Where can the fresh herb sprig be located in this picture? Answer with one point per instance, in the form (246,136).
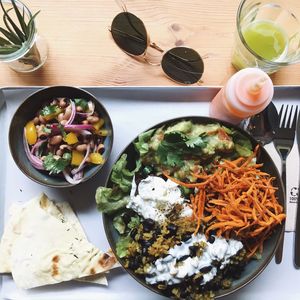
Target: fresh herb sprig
(176,145)
(14,34)
(55,165)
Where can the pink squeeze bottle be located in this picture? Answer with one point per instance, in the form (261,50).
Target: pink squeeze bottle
(246,93)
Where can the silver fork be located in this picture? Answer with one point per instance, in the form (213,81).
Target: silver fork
(283,142)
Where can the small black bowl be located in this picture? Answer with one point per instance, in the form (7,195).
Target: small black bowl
(26,112)
(254,267)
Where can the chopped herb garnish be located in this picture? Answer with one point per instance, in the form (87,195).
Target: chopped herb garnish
(49,110)
(42,149)
(82,103)
(55,165)
(62,130)
(176,145)
(47,130)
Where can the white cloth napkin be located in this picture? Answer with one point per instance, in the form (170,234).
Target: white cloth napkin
(292,171)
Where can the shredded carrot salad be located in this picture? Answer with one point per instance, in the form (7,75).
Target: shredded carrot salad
(236,201)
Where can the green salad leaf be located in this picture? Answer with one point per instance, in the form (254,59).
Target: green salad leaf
(134,222)
(119,224)
(142,145)
(122,246)
(110,200)
(56,165)
(121,175)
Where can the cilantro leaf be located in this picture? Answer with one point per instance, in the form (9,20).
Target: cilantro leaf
(195,142)
(67,156)
(82,103)
(56,165)
(47,129)
(176,145)
(134,222)
(169,155)
(49,110)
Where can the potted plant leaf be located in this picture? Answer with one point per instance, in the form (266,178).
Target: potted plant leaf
(20,45)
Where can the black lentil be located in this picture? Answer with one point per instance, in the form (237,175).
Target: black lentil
(148,225)
(211,239)
(182,258)
(133,233)
(193,250)
(172,229)
(206,269)
(186,237)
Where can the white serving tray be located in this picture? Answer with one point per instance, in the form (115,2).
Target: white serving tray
(132,110)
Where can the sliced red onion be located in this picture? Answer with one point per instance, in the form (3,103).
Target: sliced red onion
(78,176)
(79,127)
(75,180)
(81,166)
(90,112)
(73,113)
(35,161)
(37,146)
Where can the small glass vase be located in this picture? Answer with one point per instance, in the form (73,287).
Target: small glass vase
(33,53)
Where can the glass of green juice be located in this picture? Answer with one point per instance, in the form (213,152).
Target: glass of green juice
(267,35)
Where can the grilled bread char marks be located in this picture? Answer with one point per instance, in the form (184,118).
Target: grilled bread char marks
(47,259)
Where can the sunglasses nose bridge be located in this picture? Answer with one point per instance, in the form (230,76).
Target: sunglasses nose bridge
(151,63)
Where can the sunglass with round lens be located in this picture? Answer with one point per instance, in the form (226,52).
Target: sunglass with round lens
(182,64)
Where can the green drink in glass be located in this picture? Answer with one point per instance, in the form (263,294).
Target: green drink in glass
(267,40)
(268,36)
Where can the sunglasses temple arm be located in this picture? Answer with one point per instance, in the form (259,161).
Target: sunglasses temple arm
(122,5)
(154,46)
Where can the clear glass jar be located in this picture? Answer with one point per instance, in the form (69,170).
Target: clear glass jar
(33,52)
(273,35)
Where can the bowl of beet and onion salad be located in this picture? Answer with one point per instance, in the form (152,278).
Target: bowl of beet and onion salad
(60,136)
(193,208)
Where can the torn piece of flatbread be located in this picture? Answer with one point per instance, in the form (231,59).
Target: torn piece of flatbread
(11,231)
(45,244)
(96,279)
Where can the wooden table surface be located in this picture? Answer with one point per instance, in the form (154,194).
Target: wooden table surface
(82,52)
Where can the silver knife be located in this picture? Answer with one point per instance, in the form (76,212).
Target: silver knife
(297,232)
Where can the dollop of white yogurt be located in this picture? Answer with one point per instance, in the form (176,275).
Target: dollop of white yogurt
(155,197)
(168,269)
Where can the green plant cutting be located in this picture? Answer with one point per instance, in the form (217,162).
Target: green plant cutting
(16,31)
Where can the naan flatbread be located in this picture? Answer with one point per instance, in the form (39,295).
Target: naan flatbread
(44,243)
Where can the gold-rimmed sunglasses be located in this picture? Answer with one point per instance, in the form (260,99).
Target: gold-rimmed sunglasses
(181,64)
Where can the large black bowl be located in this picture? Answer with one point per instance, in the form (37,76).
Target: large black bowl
(255,267)
(26,112)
